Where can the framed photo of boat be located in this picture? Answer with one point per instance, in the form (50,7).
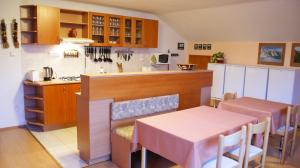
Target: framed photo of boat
(295,59)
(271,53)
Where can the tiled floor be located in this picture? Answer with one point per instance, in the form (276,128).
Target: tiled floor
(62,146)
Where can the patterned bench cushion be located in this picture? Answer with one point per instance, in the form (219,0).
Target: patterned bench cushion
(140,107)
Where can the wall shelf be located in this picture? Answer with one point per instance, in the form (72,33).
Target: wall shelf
(34,110)
(33,97)
(72,23)
(36,122)
(71,19)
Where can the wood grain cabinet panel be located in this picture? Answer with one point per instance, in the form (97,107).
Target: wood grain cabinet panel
(54,101)
(70,106)
(51,106)
(150,33)
(48,23)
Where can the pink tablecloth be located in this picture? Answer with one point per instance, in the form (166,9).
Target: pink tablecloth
(188,137)
(258,108)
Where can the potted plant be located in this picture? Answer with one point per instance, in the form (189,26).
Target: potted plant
(217,57)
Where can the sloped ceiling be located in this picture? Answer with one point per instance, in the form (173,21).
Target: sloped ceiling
(164,6)
(223,20)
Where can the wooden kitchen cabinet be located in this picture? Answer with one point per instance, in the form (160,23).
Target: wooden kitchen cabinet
(50,106)
(138,35)
(122,31)
(128,39)
(39,24)
(115,31)
(46,25)
(97,29)
(76,20)
(150,33)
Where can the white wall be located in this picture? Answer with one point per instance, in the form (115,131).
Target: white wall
(16,62)
(11,98)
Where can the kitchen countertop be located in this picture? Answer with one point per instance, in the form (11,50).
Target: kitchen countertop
(141,73)
(61,82)
(52,82)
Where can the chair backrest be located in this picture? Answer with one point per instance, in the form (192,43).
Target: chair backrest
(295,111)
(237,138)
(229,96)
(260,128)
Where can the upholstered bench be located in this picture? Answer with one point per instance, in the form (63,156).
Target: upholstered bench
(123,115)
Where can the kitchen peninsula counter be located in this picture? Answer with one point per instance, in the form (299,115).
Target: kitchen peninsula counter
(98,91)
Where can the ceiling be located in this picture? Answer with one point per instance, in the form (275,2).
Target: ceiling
(164,6)
(221,20)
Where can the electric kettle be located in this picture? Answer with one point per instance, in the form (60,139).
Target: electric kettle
(48,73)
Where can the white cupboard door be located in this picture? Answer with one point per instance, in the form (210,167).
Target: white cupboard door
(256,80)
(281,84)
(218,79)
(234,79)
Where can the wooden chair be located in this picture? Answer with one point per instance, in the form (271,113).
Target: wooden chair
(229,96)
(237,138)
(252,152)
(288,132)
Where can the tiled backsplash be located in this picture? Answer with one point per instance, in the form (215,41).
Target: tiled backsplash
(36,57)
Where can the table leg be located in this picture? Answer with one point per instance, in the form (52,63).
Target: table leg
(144,158)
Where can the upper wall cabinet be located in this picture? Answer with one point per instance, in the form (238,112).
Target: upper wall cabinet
(39,24)
(97,28)
(47,25)
(128,40)
(115,31)
(150,33)
(73,23)
(122,31)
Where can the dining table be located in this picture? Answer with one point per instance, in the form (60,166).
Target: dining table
(187,137)
(258,108)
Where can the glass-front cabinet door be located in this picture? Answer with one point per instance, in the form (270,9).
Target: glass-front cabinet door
(97,28)
(139,28)
(128,32)
(114,30)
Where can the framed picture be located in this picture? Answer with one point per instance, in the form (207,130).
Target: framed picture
(271,53)
(180,46)
(200,46)
(295,59)
(208,46)
(196,46)
(204,46)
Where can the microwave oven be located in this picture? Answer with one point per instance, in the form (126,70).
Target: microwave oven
(162,58)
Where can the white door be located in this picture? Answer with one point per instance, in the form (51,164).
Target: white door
(234,79)
(218,79)
(280,86)
(256,80)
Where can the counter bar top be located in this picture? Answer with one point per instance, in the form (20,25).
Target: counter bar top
(141,73)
